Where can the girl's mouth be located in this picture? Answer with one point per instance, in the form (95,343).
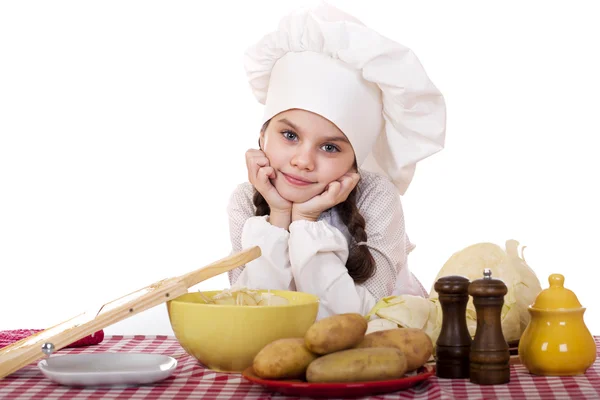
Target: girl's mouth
(296,181)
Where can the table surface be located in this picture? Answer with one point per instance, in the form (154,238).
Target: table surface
(193,381)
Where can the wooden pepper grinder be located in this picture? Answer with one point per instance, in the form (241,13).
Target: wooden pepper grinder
(453,345)
(490,356)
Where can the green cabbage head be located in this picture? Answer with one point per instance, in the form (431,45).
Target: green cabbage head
(505,264)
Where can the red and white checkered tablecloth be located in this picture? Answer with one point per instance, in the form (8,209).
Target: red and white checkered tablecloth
(192,381)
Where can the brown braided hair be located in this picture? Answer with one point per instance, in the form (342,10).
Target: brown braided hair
(360,263)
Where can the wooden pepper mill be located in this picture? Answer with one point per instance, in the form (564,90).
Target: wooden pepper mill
(490,356)
(453,345)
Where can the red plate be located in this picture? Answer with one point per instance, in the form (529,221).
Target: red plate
(343,389)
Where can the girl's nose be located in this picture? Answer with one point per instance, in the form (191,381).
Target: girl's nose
(303,159)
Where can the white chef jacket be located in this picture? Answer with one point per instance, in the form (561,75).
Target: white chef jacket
(311,256)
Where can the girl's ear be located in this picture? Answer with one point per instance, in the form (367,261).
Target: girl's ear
(261,140)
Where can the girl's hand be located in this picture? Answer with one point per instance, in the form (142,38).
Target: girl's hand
(335,193)
(260,174)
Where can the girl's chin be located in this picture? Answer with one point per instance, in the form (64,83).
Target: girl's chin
(295,195)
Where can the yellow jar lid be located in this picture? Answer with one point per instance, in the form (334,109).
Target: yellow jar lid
(556,297)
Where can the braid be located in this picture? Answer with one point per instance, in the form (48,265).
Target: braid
(360,264)
(262,207)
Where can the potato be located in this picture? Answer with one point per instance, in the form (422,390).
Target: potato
(283,358)
(358,365)
(414,343)
(335,333)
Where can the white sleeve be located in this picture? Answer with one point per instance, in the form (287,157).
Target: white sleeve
(318,254)
(272,269)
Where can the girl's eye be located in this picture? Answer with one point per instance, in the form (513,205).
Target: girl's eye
(329,148)
(292,137)
(289,135)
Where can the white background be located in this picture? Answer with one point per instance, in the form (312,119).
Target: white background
(123,127)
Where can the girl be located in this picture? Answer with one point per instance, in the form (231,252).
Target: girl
(348,113)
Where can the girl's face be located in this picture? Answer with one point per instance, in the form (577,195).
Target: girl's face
(307,152)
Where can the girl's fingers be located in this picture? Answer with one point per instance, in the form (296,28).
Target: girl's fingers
(348,182)
(261,161)
(333,189)
(271,172)
(264,174)
(254,162)
(256,157)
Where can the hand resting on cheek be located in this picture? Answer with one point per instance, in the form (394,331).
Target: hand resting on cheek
(335,193)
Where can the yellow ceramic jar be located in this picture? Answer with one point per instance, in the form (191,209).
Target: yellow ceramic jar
(556,340)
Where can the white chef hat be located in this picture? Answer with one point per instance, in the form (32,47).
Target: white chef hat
(374,90)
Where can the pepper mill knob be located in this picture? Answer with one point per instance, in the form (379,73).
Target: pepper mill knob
(453,345)
(490,355)
(487,273)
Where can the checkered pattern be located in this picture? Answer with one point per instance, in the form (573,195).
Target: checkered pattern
(192,381)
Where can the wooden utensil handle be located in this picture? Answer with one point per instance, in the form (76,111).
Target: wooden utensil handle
(224,265)
(28,350)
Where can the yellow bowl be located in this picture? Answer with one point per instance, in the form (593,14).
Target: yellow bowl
(226,338)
